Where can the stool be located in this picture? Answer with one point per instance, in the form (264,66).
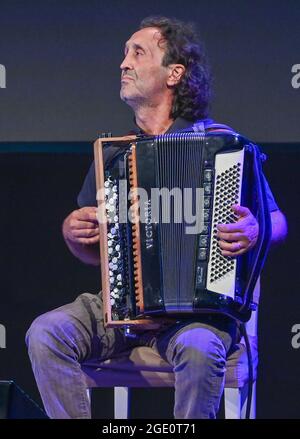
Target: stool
(144,367)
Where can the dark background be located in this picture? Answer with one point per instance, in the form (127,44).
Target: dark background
(62,61)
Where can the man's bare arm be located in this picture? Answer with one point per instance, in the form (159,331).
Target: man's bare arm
(279,227)
(81,234)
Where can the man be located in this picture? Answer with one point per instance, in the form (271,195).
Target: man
(165,81)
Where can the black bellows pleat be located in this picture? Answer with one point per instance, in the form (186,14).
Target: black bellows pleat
(179,168)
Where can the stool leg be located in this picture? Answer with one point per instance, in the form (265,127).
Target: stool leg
(89,394)
(121,399)
(235,401)
(232,403)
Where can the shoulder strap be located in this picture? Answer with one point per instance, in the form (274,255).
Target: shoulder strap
(199,127)
(208,125)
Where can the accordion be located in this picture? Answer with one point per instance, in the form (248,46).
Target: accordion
(160,200)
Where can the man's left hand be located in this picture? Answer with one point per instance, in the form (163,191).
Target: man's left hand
(237,238)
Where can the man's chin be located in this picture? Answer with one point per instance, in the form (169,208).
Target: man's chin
(126,97)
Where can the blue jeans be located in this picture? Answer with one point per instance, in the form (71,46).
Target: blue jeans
(61,340)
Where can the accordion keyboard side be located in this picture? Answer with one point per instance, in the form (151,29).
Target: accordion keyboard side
(221,273)
(115,239)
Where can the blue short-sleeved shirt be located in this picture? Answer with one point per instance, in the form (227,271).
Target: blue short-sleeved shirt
(87,195)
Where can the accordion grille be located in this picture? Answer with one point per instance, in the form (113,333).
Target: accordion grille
(226,194)
(227,191)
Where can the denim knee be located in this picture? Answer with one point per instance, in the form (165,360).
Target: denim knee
(198,349)
(44,328)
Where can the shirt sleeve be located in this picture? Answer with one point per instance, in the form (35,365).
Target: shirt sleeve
(87,195)
(270,197)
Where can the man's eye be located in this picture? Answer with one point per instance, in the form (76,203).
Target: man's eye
(139,52)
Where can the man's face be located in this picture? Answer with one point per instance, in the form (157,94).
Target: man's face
(143,79)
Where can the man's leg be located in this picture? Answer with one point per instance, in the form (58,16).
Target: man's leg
(58,342)
(198,353)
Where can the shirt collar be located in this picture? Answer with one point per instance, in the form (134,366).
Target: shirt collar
(179,124)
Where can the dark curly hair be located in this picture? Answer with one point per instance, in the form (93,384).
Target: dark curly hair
(192,94)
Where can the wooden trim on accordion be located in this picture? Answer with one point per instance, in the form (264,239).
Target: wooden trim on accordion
(136,238)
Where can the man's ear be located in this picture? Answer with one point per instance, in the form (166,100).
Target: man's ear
(176,72)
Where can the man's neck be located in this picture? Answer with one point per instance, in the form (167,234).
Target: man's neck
(153,120)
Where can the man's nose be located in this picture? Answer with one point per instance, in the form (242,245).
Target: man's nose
(126,63)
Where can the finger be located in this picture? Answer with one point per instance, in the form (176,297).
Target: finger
(241,211)
(86,233)
(232,246)
(88,241)
(230,237)
(230,254)
(76,225)
(87,214)
(233,227)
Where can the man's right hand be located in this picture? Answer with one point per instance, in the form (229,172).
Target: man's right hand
(81,226)
(81,233)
